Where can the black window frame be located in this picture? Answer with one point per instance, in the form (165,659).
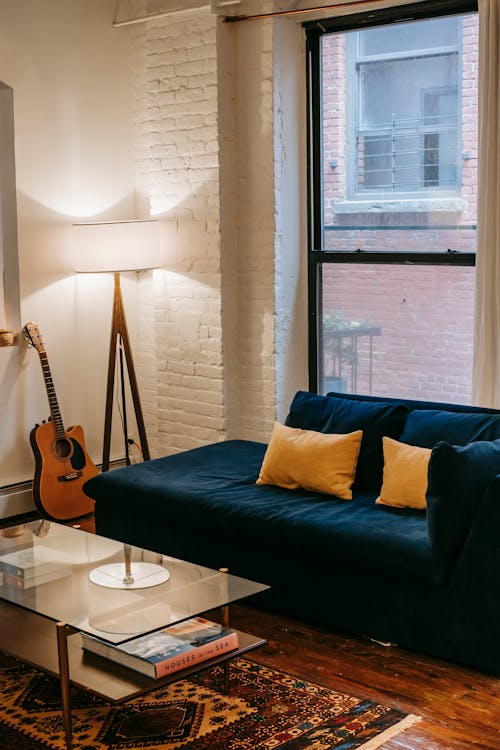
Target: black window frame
(317,256)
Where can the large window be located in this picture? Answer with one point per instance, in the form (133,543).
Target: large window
(393,175)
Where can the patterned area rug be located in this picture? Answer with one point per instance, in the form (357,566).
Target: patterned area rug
(266,710)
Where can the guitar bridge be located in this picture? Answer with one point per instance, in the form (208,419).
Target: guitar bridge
(70,477)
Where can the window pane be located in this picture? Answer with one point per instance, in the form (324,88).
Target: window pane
(399,133)
(401,118)
(398,330)
(418,35)
(394,91)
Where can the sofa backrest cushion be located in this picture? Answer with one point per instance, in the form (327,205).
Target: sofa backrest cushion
(426,428)
(377,419)
(457,480)
(412,404)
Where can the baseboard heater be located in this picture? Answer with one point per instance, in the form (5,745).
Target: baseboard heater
(17,499)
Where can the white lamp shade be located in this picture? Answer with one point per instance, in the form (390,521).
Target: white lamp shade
(116,246)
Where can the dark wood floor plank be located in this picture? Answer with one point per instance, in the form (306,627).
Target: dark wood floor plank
(459,707)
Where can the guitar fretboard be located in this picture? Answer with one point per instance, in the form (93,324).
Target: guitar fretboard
(51,393)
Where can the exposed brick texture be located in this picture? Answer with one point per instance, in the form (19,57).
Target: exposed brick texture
(425,317)
(177,153)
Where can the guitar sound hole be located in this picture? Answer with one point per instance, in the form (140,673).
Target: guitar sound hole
(62,448)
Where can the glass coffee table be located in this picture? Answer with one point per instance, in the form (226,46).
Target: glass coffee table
(57,582)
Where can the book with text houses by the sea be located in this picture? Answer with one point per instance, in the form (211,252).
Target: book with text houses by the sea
(166,651)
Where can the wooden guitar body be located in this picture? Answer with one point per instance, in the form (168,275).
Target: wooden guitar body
(62,466)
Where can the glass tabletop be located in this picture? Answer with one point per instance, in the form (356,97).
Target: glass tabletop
(69,575)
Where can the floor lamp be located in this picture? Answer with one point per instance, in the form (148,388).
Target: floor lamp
(115,247)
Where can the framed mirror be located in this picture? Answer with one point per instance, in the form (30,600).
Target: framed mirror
(10,317)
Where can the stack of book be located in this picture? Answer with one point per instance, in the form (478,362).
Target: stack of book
(32,566)
(166,651)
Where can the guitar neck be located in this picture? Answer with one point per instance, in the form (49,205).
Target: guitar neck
(55,412)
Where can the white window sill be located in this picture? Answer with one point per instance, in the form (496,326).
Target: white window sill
(401,205)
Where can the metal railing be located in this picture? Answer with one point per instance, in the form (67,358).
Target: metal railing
(408,155)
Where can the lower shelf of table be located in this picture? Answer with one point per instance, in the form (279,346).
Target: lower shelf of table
(32,639)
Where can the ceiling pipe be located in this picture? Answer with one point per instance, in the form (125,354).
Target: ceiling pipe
(298,11)
(354,3)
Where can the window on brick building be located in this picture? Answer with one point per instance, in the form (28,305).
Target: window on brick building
(392,201)
(404,106)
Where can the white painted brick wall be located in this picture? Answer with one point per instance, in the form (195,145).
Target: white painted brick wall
(177,152)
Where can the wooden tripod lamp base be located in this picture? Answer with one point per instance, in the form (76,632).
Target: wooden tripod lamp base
(120,342)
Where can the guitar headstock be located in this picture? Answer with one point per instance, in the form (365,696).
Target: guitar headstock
(33,336)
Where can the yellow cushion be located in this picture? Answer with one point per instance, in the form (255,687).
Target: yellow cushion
(404,481)
(312,460)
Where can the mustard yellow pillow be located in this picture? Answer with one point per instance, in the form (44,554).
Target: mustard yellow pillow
(312,460)
(404,481)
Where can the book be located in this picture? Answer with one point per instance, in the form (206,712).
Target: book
(33,561)
(19,582)
(166,651)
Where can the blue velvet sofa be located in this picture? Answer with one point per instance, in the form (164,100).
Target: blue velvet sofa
(428,580)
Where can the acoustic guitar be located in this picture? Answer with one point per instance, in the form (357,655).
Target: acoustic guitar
(62,464)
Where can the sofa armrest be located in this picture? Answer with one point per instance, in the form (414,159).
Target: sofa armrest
(477,571)
(474,601)
(475,586)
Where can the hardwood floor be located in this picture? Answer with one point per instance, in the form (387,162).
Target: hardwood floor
(460,708)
